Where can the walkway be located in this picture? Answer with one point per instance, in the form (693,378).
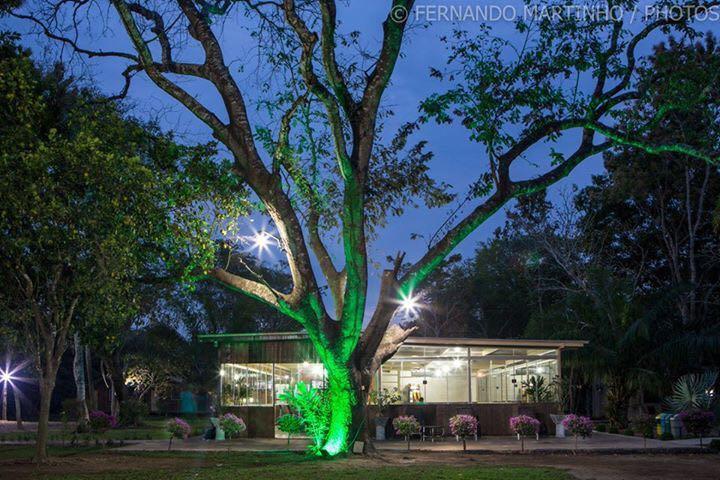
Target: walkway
(599,442)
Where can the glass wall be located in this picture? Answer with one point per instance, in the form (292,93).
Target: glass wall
(433,374)
(422,374)
(260,384)
(247,384)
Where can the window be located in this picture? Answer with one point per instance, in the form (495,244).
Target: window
(289,374)
(247,384)
(427,379)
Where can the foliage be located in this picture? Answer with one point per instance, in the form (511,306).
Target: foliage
(524,425)
(645,424)
(384,398)
(98,204)
(290,424)
(536,391)
(629,432)
(578,426)
(463,426)
(329,173)
(698,422)
(101,421)
(602,428)
(232,425)
(133,412)
(178,428)
(312,406)
(693,391)
(406,425)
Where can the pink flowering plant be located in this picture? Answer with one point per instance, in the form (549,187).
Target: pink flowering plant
(463,426)
(406,425)
(178,428)
(698,422)
(101,421)
(523,426)
(578,426)
(232,425)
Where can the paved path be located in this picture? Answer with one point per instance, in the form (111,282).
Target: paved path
(600,442)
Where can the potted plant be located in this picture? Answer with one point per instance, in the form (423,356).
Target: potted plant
(524,425)
(232,425)
(383,399)
(406,425)
(463,426)
(290,424)
(178,428)
(578,426)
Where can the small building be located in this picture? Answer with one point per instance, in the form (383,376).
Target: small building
(436,377)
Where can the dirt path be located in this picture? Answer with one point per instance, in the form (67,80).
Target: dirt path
(591,467)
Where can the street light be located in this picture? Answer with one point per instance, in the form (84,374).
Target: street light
(409,304)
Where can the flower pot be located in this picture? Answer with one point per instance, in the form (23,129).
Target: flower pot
(380,424)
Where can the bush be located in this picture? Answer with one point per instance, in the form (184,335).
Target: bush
(406,425)
(629,432)
(645,424)
(290,424)
(524,425)
(601,428)
(463,426)
(178,428)
(578,426)
(613,429)
(312,405)
(70,409)
(714,445)
(101,421)
(698,422)
(133,413)
(232,425)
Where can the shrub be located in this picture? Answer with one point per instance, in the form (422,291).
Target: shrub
(132,413)
(601,428)
(463,426)
(629,432)
(313,407)
(232,425)
(698,422)
(714,445)
(613,429)
(524,425)
(101,421)
(406,425)
(646,426)
(290,424)
(578,426)
(178,428)
(70,409)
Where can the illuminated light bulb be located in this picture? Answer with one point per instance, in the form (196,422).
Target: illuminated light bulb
(409,304)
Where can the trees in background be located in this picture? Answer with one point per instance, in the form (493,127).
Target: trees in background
(322,170)
(94,202)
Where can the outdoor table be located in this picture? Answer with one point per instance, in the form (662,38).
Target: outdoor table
(432,431)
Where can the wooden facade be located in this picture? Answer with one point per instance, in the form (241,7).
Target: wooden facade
(293,348)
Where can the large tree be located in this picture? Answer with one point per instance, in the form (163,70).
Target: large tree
(326,170)
(94,202)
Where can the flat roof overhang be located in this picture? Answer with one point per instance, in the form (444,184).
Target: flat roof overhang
(429,341)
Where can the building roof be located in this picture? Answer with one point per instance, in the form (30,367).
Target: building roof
(462,342)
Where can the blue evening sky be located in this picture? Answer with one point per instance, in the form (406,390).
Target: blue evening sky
(457,161)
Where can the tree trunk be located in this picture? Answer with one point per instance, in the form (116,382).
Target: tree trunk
(47,385)
(342,402)
(79,373)
(18,409)
(90,382)
(4,401)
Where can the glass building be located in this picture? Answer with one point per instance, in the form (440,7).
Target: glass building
(255,369)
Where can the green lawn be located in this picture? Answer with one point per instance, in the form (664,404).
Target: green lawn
(269,466)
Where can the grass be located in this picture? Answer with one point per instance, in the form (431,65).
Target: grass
(265,466)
